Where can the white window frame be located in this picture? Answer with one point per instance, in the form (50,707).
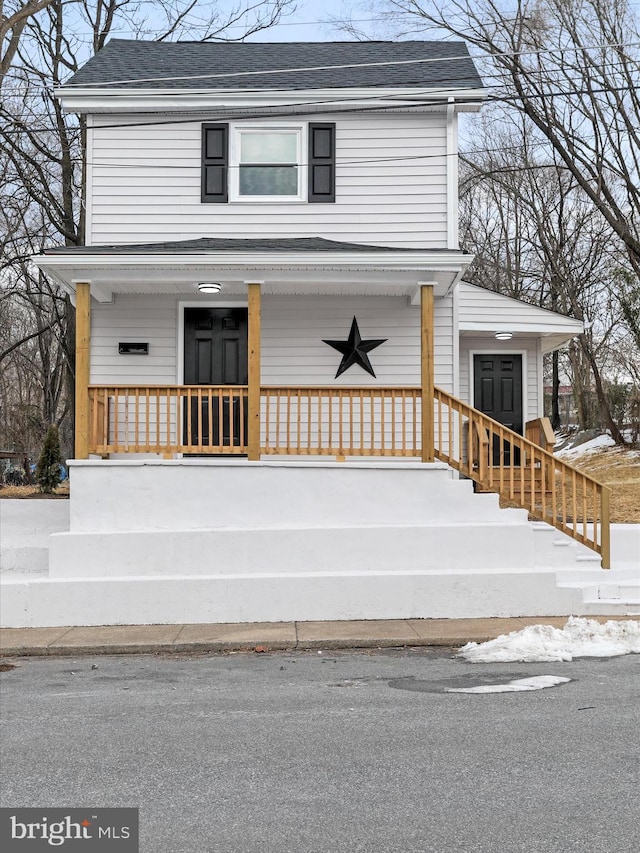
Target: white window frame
(235,134)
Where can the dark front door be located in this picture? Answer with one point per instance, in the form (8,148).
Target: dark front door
(498,393)
(215,353)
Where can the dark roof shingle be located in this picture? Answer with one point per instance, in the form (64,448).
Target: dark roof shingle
(230,244)
(284,65)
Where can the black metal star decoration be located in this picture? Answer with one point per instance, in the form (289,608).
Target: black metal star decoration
(354,350)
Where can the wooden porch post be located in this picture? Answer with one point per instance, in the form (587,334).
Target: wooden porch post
(427,370)
(253,394)
(83,341)
(605,528)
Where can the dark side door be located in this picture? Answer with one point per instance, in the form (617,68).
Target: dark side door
(215,353)
(498,393)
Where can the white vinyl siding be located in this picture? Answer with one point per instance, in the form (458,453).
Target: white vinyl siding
(141,319)
(293,330)
(391,185)
(532,366)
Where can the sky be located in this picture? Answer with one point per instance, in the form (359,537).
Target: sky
(311,22)
(303,24)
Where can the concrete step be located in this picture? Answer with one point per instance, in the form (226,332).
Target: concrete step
(582,574)
(24,560)
(457,547)
(326,596)
(557,550)
(604,588)
(604,607)
(625,593)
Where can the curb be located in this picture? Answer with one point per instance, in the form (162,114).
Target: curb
(222,647)
(264,637)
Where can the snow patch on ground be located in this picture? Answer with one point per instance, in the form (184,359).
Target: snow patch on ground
(518,685)
(600,442)
(578,639)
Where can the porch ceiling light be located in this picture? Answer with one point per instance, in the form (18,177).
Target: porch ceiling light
(209,286)
(504,336)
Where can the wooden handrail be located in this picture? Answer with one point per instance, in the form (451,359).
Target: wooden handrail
(524,473)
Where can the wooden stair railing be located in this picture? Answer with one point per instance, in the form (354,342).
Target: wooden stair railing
(523,472)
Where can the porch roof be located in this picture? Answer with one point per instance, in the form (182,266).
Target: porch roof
(232,244)
(484,312)
(303,265)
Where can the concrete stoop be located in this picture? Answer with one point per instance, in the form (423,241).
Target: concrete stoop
(398,542)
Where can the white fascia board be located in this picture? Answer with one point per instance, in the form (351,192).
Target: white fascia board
(534,328)
(107,100)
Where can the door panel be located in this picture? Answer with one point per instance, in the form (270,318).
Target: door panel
(202,362)
(230,362)
(498,393)
(215,353)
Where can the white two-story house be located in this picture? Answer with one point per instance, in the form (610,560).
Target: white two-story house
(281,373)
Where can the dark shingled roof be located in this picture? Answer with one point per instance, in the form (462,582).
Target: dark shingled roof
(139,65)
(231,244)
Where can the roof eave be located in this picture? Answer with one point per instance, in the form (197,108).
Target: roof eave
(556,325)
(93,99)
(104,270)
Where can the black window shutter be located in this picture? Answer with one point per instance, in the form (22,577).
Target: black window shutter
(215,162)
(322,163)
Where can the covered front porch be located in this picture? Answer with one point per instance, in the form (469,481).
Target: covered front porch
(285,282)
(245,412)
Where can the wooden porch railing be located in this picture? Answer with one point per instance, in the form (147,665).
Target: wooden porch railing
(170,419)
(167,419)
(348,421)
(522,472)
(341,422)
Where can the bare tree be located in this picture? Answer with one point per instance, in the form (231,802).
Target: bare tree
(14,17)
(41,159)
(536,236)
(572,67)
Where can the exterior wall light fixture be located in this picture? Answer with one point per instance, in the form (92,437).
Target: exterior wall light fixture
(503,336)
(209,286)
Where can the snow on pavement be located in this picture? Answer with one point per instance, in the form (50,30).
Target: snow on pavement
(518,685)
(579,638)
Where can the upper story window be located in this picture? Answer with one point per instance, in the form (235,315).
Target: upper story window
(268,163)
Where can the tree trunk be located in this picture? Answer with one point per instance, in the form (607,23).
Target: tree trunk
(555,392)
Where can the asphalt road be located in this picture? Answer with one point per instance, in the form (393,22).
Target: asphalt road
(323,753)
